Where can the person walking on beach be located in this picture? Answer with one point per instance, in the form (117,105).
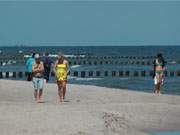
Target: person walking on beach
(38,81)
(29,64)
(47,62)
(61,72)
(159,67)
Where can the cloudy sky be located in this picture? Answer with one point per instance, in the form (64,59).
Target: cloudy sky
(89,22)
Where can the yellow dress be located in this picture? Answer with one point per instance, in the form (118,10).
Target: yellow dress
(61,70)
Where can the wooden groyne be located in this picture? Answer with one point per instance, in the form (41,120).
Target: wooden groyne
(97,73)
(87,60)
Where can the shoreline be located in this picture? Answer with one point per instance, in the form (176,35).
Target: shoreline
(150,91)
(90,110)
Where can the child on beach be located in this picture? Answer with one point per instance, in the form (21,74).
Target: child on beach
(61,72)
(159,67)
(38,81)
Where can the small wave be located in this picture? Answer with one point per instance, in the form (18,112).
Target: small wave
(84,79)
(75,66)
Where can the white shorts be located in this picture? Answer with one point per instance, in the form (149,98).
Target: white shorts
(156,81)
(38,83)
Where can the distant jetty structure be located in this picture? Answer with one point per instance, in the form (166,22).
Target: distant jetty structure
(91,66)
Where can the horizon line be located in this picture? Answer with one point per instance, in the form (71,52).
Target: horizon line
(89,45)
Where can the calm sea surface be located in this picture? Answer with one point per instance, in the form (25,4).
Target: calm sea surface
(171,54)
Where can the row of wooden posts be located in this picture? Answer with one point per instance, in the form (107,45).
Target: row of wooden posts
(114,57)
(112,62)
(96,60)
(99,62)
(96,74)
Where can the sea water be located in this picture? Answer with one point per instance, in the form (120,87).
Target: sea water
(171,53)
(166,133)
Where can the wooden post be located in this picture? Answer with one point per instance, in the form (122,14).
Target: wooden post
(106,73)
(121,73)
(89,63)
(75,73)
(1,75)
(98,73)
(75,63)
(127,73)
(113,73)
(26,74)
(79,63)
(84,62)
(20,74)
(90,73)
(95,62)
(14,74)
(7,74)
(136,73)
(178,73)
(83,74)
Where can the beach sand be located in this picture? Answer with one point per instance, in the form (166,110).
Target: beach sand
(89,110)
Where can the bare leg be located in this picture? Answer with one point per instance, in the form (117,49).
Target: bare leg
(64,90)
(155,89)
(159,89)
(40,94)
(35,94)
(61,94)
(60,91)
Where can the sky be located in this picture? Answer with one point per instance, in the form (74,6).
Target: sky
(123,23)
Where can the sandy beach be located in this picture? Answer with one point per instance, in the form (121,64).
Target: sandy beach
(88,110)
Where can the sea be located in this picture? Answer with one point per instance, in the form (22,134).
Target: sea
(171,54)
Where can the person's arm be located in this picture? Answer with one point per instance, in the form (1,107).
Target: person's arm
(54,68)
(34,68)
(38,68)
(41,68)
(27,64)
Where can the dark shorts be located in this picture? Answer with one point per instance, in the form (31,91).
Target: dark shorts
(46,75)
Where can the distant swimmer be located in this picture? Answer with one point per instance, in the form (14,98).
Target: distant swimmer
(29,64)
(61,71)
(38,80)
(159,68)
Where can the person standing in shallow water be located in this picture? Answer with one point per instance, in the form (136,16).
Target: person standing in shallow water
(61,72)
(38,80)
(159,68)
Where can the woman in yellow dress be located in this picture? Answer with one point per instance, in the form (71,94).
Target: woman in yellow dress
(61,72)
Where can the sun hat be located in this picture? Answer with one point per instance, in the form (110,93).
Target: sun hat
(37,56)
